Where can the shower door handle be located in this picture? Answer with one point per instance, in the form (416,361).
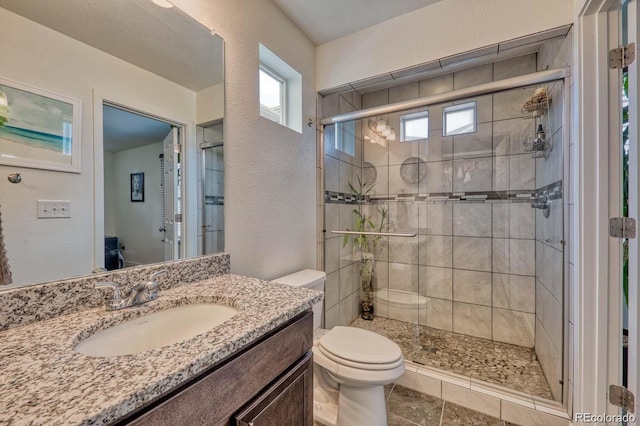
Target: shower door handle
(377,234)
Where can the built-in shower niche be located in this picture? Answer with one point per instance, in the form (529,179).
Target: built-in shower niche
(479,290)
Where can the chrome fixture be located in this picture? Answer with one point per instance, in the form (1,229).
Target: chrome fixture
(14,178)
(536,107)
(376,234)
(140,294)
(542,202)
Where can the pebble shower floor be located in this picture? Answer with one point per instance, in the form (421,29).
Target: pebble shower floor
(514,367)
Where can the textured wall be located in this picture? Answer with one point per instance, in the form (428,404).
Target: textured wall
(137,224)
(43,250)
(270,214)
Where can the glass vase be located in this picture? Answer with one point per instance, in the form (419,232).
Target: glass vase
(367,265)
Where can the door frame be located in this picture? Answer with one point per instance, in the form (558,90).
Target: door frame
(634,195)
(595,315)
(189,182)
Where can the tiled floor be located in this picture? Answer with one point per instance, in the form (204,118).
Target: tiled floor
(409,408)
(508,365)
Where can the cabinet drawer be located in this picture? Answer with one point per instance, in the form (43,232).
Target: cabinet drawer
(288,402)
(214,397)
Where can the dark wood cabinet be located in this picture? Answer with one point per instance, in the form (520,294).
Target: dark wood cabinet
(268,383)
(286,402)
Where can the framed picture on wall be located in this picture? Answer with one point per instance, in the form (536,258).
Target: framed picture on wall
(39,129)
(137,187)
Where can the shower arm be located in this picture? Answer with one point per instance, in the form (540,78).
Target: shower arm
(376,234)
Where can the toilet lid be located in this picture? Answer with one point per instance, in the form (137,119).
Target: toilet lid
(361,346)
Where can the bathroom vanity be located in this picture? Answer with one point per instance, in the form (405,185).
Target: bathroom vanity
(254,368)
(269,383)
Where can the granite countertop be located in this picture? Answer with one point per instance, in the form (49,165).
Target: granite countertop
(44,381)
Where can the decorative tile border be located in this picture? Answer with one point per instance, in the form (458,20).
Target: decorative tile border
(25,305)
(523,196)
(553,190)
(214,200)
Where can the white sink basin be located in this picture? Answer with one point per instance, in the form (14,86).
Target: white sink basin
(156,330)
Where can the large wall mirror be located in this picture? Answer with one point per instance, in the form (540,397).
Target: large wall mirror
(128,95)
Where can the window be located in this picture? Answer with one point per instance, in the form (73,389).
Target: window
(272,95)
(414,126)
(280,91)
(459,119)
(345,137)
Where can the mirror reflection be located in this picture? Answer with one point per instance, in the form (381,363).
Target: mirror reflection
(149,81)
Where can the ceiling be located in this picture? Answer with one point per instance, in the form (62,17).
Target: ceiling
(327,20)
(166,42)
(124,130)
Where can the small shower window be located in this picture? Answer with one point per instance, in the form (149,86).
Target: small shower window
(414,126)
(459,119)
(345,137)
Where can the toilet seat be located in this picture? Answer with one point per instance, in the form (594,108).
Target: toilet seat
(360,349)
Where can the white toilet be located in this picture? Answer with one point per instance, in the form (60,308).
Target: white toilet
(351,366)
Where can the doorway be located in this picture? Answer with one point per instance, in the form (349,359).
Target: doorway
(142,181)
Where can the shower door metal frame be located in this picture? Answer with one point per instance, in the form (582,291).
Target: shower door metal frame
(203,146)
(548,76)
(539,77)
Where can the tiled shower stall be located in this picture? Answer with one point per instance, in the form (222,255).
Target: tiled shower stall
(210,139)
(483,263)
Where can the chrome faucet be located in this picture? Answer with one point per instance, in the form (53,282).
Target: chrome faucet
(141,293)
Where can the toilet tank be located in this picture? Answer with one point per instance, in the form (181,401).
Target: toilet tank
(308,278)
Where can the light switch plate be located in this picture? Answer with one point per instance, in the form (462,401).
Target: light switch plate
(48,209)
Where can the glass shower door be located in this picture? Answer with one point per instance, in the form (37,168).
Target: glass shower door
(213,196)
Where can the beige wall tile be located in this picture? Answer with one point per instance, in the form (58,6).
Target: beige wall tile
(439,281)
(472,219)
(437,147)
(514,67)
(404,92)
(440,313)
(473,76)
(439,219)
(472,174)
(507,104)
(438,253)
(508,135)
(517,328)
(476,144)
(471,399)
(439,177)
(421,383)
(377,98)
(527,417)
(472,287)
(472,253)
(473,320)
(436,85)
